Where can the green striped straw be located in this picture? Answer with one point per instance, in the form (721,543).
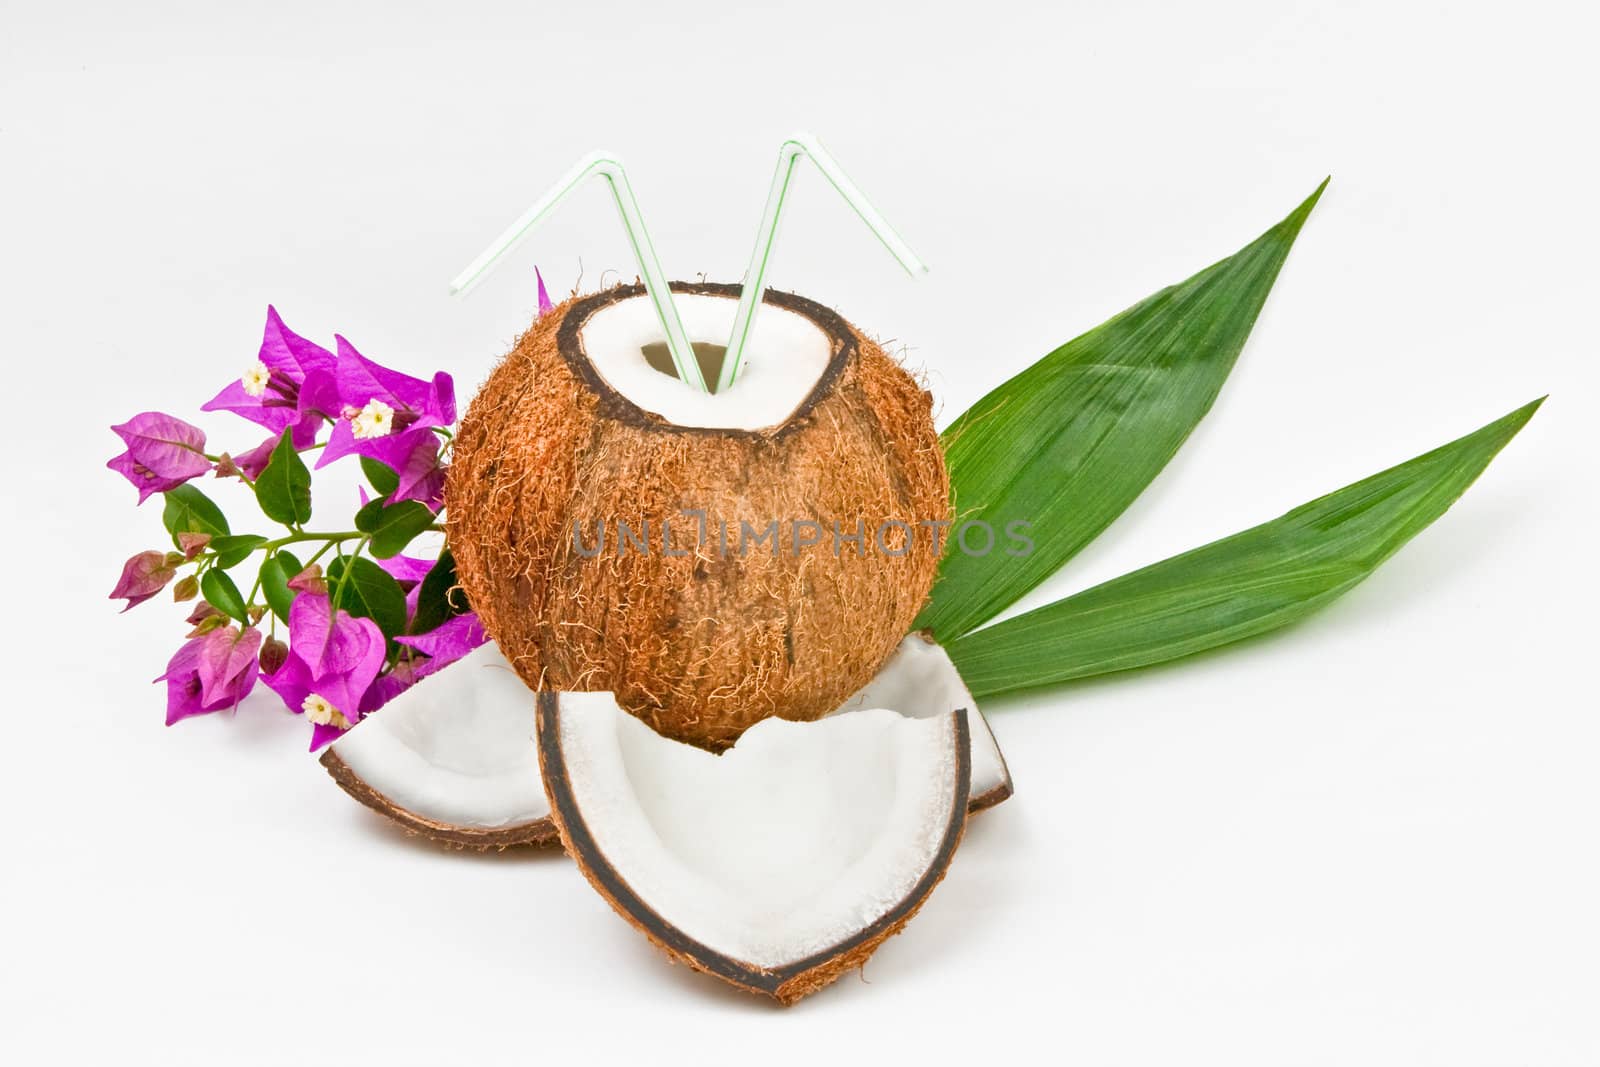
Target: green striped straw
(755,279)
(608,166)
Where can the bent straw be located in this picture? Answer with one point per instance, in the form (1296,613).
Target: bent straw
(755,279)
(607,166)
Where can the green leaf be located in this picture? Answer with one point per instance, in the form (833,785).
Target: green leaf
(392,528)
(439,599)
(235,549)
(222,594)
(369,592)
(1258,580)
(380,476)
(284,488)
(1066,445)
(276,571)
(368,514)
(188,510)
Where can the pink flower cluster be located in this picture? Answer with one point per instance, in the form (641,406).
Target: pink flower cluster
(346,655)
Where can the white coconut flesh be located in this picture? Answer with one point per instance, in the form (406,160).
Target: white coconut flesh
(456,748)
(802,842)
(919,680)
(783,360)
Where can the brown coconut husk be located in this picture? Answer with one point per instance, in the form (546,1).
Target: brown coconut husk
(704,645)
(785,984)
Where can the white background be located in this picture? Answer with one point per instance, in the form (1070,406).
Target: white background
(1370,839)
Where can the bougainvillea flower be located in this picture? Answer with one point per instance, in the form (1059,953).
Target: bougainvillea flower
(163,452)
(407,570)
(333,660)
(143,576)
(253,462)
(401,676)
(544,297)
(268,392)
(193,544)
(450,640)
(421,472)
(376,406)
(309,580)
(211,672)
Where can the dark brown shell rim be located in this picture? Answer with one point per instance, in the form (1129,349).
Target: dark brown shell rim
(583,848)
(541,832)
(569,341)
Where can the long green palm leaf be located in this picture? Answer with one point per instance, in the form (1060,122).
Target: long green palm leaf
(1066,445)
(1258,580)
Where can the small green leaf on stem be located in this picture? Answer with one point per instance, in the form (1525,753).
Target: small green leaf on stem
(439,599)
(392,528)
(276,571)
(369,592)
(222,594)
(188,510)
(380,476)
(284,488)
(235,548)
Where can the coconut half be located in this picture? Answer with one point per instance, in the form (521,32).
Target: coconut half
(454,759)
(775,866)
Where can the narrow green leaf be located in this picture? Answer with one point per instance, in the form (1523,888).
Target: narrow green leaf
(1258,580)
(1067,445)
(275,574)
(284,488)
(235,549)
(380,476)
(222,594)
(369,592)
(439,600)
(393,528)
(188,510)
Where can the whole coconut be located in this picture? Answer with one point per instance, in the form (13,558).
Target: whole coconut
(698,624)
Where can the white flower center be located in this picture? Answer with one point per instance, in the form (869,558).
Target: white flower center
(373,420)
(255,379)
(323,713)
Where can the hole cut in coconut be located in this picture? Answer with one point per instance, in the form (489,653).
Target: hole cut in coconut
(775,866)
(452,758)
(784,360)
(709,356)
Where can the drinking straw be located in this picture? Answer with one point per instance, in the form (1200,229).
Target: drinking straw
(755,279)
(608,166)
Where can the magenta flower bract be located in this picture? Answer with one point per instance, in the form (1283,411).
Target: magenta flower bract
(143,576)
(211,672)
(376,406)
(275,401)
(544,297)
(163,452)
(421,473)
(445,645)
(333,660)
(450,640)
(406,569)
(255,461)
